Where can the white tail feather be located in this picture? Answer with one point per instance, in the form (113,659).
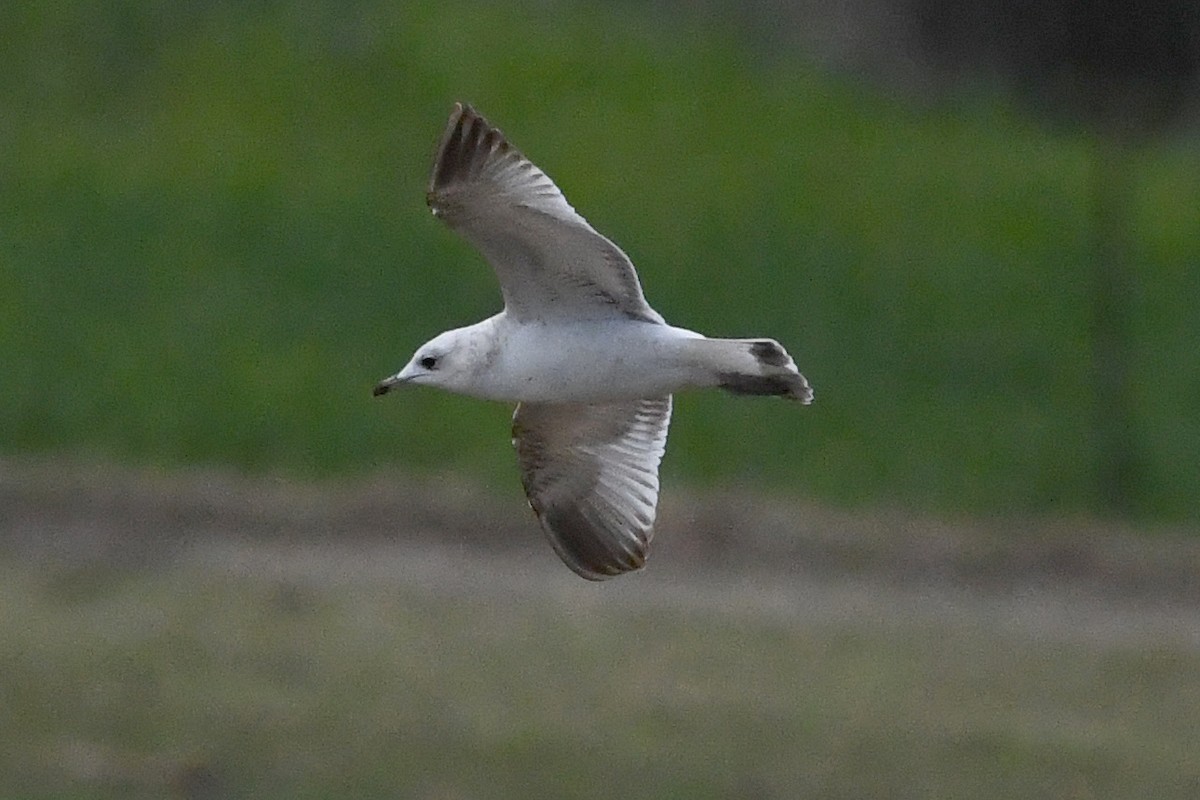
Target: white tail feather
(752,366)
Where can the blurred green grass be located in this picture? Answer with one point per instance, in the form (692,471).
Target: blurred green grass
(194,682)
(214,242)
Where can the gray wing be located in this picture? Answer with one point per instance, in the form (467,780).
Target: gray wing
(590,472)
(550,261)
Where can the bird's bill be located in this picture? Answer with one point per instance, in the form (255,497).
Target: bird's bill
(387,384)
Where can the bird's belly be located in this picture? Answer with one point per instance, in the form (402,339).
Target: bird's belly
(592,365)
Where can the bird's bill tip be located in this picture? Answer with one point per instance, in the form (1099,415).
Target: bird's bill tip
(387,384)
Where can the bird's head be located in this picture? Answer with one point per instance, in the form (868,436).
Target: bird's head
(442,362)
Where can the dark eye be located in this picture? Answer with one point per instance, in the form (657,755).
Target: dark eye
(429,362)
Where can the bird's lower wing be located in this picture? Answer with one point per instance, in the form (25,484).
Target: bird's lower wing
(590,472)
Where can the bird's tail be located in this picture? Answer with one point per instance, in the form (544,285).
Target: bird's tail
(753,366)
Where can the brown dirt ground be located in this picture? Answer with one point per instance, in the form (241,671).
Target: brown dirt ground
(728,550)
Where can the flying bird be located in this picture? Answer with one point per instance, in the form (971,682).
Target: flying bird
(591,366)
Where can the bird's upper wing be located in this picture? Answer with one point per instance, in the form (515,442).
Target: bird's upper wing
(590,472)
(551,263)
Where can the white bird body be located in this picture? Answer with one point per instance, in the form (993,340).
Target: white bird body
(591,365)
(591,362)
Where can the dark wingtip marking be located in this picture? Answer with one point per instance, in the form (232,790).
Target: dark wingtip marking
(588,555)
(451,149)
(466,142)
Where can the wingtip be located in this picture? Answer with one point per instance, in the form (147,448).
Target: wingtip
(462,115)
(459,110)
(592,557)
(466,134)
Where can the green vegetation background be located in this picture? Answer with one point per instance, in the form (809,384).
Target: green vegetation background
(213,241)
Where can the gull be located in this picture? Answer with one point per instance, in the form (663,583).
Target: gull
(591,366)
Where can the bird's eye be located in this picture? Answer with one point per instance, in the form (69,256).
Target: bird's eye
(428,362)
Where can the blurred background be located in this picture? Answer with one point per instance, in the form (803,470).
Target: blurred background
(969,569)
